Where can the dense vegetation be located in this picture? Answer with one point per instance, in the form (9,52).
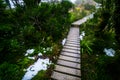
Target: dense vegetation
(102,32)
(80,11)
(43,25)
(32,25)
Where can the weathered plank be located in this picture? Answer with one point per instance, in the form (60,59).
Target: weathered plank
(71,54)
(71,50)
(69,64)
(71,47)
(61,76)
(67,70)
(69,58)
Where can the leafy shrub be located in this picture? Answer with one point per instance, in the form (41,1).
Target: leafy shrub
(41,76)
(24,27)
(24,62)
(10,72)
(89,7)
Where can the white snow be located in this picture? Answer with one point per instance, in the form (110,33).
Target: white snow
(40,64)
(21,2)
(39,54)
(63,41)
(90,16)
(31,58)
(82,35)
(109,52)
(98,5)
(29,51)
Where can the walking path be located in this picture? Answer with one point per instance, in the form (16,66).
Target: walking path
(68,66)
(79,22)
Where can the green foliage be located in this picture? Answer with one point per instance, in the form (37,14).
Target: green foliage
(41,76)
(2,8)
(99,1)
(76,15)
(86,44)
(31,3)
(30,37)
(116,20)
(66,5)
(30,26)
(89,7)
(96,65)
(78,12)
(9,72)
(89,38)
(24,62)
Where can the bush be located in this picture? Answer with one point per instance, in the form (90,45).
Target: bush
(10,72)
(89,7)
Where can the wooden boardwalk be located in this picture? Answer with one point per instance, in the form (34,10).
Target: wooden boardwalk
(68,64)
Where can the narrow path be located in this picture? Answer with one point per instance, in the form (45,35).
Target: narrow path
(83,20)
(68,65)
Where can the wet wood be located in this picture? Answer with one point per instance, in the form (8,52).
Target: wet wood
(68,66)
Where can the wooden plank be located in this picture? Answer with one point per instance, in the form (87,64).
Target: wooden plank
(70,71)
(70,58)
(61,76)
(71,50)
(71,54)
(69,64)
(73,40)
(72,44)
(71,47)
(77,43)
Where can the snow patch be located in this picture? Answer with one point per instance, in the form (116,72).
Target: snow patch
(39,54)
(82,35)
(31,58)
(40,64)
(29,51)
(63,41)
(109,52)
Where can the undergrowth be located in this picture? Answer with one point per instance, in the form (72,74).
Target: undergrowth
(96,65)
